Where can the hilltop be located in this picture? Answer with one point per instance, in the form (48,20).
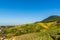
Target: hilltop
(51,19)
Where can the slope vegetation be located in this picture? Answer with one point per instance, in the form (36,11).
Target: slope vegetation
(40,30)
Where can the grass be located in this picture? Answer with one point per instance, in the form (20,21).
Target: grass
(33,36)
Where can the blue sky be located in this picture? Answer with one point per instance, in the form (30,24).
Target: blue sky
(27,11)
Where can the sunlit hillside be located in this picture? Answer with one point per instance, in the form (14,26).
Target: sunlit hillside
(42,30)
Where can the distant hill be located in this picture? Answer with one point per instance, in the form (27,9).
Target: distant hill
(52,19)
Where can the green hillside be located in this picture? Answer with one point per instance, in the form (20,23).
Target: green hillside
(52,19)
(38,31)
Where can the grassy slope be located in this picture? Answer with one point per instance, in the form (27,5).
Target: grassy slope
(33,36)
(37,36)
(52,29)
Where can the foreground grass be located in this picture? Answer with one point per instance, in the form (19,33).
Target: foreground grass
(33,36)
